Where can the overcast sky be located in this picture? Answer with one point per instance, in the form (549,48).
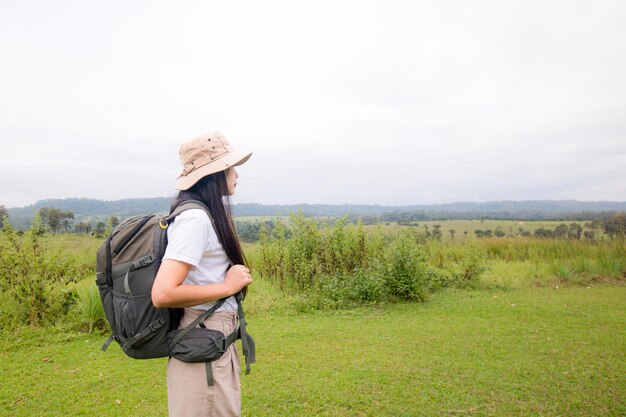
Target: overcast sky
(374,102)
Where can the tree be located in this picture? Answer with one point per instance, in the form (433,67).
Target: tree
(55,218)
(4,214)
(574,231)
(38,228)
(100,229)
(83,228)
(543,233)
(109,227)
(452,232)
(437,232)
(114,222)
(483,233)
(560,231)
(616,225)
(66,225)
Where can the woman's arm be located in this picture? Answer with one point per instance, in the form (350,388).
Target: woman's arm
(169,291)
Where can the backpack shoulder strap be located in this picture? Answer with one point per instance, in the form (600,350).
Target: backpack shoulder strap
(247,343)
(187,205)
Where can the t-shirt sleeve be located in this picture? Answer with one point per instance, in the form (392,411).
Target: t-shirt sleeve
(188,237)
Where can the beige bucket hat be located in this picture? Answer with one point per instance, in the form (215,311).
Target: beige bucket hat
(206,155)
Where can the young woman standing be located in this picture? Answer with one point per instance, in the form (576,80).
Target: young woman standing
(196,271)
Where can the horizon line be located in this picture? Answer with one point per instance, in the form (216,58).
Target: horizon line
(339,204)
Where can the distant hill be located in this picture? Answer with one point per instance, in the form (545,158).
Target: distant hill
(91,210)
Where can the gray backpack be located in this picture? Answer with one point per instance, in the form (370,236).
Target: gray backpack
(127,264)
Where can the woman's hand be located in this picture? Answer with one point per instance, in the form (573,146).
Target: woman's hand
(237,277)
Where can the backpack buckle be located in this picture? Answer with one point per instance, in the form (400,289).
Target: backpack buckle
(156,325)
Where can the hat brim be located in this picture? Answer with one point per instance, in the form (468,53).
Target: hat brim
(229,160)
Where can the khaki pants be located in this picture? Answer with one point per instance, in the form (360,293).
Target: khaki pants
(188,394)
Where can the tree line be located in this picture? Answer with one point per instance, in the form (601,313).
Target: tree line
(612,225)
(564,210)
(54,220)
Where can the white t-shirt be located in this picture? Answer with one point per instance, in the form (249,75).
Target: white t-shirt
(192,239)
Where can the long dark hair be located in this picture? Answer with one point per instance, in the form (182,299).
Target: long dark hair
(212,190)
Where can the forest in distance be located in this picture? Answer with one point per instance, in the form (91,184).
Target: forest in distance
(572,226)
(92,211)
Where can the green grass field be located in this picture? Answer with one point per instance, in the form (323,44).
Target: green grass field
(541,332)
(518,352)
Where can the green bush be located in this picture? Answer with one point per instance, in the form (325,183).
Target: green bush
(470,267)
(34,280)
(406,276)
(339,264)
(295,257)
(303,253)
(358,288)
(272,254)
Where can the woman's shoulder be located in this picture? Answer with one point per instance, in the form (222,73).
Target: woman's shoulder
(194,225)
(189,236)
(193,220)
(194,214)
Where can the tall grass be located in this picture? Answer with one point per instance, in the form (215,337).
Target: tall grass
(521,262)
(520,249)
(89,312)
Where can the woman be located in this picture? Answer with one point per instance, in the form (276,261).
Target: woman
(196,270)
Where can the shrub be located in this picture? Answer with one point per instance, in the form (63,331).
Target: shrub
(303,252)
(358,288)
(339,264)
(272,254)
(470,267)
(295,257)
(405,270)
(34,280)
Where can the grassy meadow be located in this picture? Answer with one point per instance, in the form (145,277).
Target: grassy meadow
(537,327)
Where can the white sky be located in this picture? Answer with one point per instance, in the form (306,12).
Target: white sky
(375,102)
